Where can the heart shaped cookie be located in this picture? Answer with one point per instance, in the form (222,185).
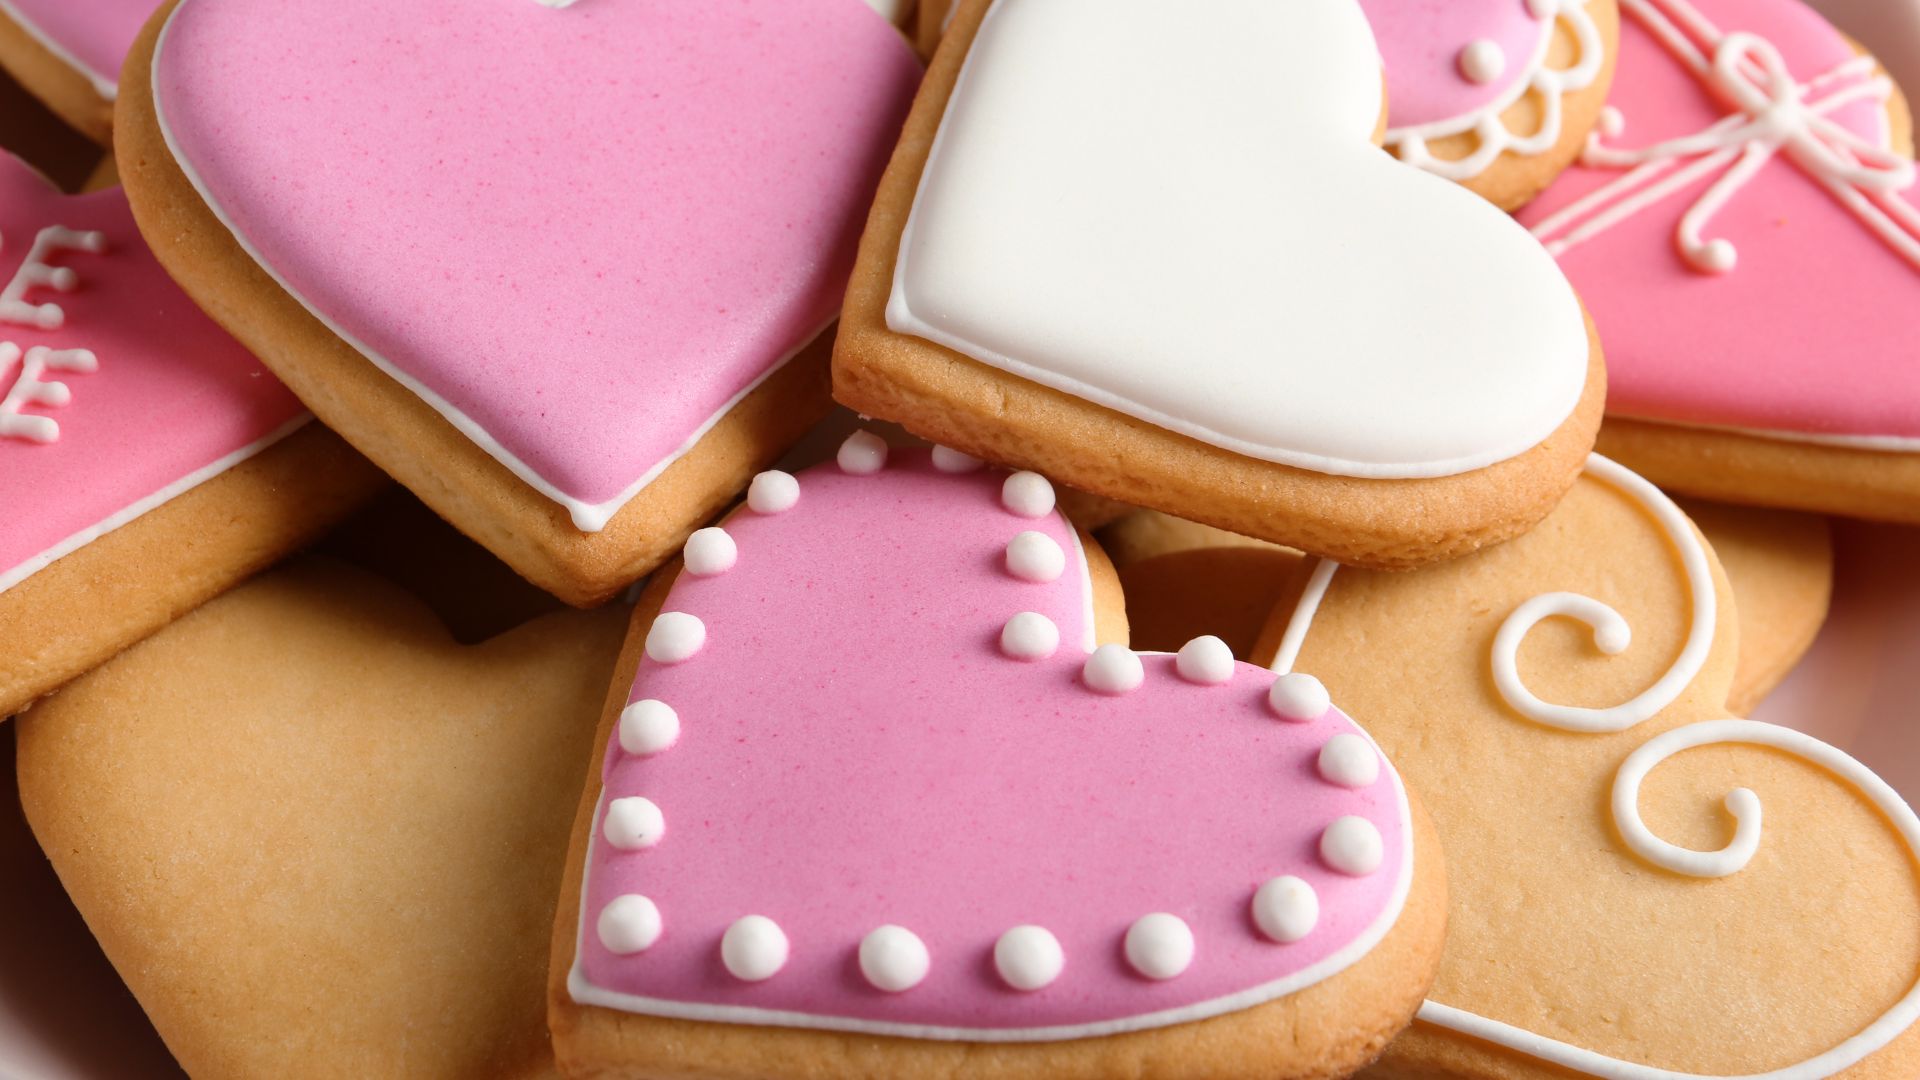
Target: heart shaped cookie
(872,778)
(69,54)
(1628,916)
(1209,292)
(574,318)
(1497,95)
(147,461)
(346,828)
(1745,228)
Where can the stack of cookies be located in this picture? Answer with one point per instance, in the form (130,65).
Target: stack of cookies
(1003,538)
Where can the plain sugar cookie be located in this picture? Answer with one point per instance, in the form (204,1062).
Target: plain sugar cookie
(1301,341)
(1780,565)
(831,833)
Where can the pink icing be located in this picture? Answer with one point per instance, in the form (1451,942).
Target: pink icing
(172,394)
(1420,43)
(1811,333)
(582,231)
(855,751)
(93,34)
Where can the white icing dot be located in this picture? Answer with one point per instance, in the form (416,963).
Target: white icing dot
(633,823)
(648,727)
(1483,61)
(893,958)
(1286,909)
(1612,122)
(1159,945)
(1033,556)
(1542,9)
(1113,669)
(773,492)
(675,636)
(629,924)
(1349,761)
(754,948)
(710,551)
(1205,660)
(1352,846)
(1027,494)
(1029,636)
(948,460)
(863,454)
(1028,957)
(1299,698)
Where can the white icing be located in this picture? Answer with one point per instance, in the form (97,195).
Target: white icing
(1286,909)
(675,636)
(31,387)
(710,551)
(634,823)
(1308,605)
(948,460)
(648,727)
(1029,636)
(754,948)
(1352,845)
(1205,660)
(36,273)
(1483,61)
(105,83)
(1034,556)
(1113,669)
(1159,946)
(1299,698)
(1216,312)
(629,924)
(863,454)
(1743,804)
(1492,137)
(1347,760)
(893,958)
(1028,957)
(773,492)
(588,517)
(1611,633)
(133,512)
(1027,494)
(1775,115)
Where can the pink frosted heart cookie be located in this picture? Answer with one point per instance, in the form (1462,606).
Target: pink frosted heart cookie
(873,778)
(1496,94)
(68,54)
(147,461)
(1208,292)
(573,316)
(1744,227)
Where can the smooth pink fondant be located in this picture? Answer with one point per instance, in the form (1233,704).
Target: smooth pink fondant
(96,34)
(1420,43)
(586,229)
(855,751)
(1812,333)
(173,393)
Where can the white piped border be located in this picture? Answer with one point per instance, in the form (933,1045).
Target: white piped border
(586,993)
(588,517)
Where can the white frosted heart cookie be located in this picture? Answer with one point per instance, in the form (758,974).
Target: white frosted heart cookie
(1641,887)
(1208,292)
(872,804)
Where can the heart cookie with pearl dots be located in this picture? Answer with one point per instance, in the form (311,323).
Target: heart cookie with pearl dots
(574,315)
(867,773)
(318,837)
(1299,340)
(1638,883)
(147,460)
